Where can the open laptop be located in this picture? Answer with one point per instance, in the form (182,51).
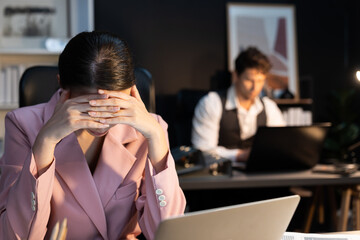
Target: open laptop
(251,221)
(286,148)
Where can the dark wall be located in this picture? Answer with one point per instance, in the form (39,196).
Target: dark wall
(183,43)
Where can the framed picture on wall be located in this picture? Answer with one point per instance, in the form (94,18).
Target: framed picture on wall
(271,29)
(42,24)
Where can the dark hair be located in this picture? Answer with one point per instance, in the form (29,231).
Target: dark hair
(252,58)
(96,60)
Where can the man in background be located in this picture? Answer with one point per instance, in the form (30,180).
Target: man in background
(225,122)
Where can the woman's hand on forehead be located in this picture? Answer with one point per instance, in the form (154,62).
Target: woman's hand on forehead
(88,97)
(132,110)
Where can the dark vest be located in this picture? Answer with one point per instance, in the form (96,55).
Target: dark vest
(229,132)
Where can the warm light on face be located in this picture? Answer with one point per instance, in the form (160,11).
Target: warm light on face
(358,75)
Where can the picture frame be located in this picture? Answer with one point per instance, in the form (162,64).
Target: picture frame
(43,24)
(271,29)
(81,16)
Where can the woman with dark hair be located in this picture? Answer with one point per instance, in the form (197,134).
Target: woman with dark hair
(92,154)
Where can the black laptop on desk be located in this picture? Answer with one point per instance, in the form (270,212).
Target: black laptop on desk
(286,148)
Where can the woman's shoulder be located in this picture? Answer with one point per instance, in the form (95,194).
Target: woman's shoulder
(27,116)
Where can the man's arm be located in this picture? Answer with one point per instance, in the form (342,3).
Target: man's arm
(206,125)
(274,115)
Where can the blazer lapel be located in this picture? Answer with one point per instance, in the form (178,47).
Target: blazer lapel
(115,161)
(73,168)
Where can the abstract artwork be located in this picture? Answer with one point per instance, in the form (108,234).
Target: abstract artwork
(271,29)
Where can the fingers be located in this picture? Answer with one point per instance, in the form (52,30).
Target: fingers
(118,98)
(116,94)
(101,110)
(111,102)
(83,120)
(135,93)
(87,98)
(118,120)
(110,109)
(84,124)
(105,114)
(76,103)
(84,116)
(85,108)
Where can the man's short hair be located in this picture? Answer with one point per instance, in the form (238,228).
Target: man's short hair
(252,58)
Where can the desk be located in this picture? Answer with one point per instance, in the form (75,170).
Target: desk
(256,180)
(348,233)
(239,179)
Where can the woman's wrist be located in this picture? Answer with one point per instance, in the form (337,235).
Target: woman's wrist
(43,150)
(158,148)
(156,133)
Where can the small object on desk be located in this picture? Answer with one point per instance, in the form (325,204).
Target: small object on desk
(344,169)
(217,165)
(188,160)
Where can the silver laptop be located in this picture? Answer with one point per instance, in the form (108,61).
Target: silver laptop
(251,221)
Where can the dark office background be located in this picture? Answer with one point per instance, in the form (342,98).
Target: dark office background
(184,42)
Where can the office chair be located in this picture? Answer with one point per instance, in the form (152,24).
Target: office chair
(39,83)
(186,102)
(145,85)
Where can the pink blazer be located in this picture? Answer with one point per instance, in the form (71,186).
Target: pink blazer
(123,195)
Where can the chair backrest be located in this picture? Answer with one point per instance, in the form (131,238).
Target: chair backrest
(186,102)
(39,83)
(145,85)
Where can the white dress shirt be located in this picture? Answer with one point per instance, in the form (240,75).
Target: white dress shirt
(207,116)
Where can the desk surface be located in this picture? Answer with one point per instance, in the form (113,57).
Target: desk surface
(254,180)
(348,233)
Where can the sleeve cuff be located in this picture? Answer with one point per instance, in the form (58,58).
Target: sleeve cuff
(166,179)
(33,168)
(164,167)
(29,195)
(227,153)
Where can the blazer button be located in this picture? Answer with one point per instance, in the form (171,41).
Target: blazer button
(159,191)
(162,197)
(33,204)
(162,204)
